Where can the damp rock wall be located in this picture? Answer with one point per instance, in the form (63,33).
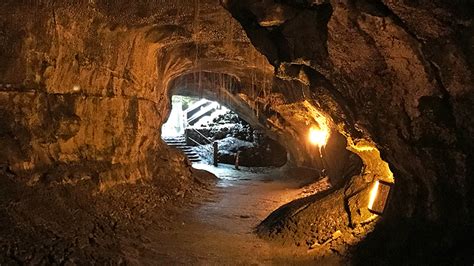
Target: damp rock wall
(398,74)
(88,83)
(85,86)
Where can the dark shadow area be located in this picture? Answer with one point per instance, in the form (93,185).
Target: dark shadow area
(415,242)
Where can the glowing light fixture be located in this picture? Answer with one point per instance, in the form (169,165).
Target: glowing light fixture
(318,136)
(379,196)
(76,88)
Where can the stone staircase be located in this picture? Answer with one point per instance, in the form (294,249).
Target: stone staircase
(179,142)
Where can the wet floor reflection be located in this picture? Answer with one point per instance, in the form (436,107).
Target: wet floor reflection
(228,176)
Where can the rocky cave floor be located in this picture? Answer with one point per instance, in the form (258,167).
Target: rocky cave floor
(73,222)
(220,229)
(212,223)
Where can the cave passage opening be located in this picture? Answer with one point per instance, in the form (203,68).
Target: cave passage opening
(197,126)
(325,164)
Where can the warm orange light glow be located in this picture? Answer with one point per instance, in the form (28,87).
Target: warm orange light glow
(318,136)
(373,194)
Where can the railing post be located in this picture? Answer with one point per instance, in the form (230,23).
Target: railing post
(237,156)
(216,150)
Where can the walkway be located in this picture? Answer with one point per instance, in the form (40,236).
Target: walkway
(218,231)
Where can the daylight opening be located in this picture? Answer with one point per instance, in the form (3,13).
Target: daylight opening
(208,132)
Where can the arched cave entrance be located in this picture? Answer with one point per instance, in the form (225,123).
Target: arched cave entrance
(360,181)
(289,124)
(197,126)
(85,87)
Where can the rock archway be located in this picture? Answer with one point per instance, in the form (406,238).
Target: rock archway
(386,69)
(85,86)
(72,74)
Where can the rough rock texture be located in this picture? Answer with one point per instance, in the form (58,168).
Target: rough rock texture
(72,222)
(122,61)
(397,73)
(77,99)
(86,86)
(84,90)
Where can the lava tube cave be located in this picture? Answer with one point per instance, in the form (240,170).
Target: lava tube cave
(236,132)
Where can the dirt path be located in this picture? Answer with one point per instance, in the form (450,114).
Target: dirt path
(219,230)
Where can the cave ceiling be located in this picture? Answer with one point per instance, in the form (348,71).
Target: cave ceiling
(394,78)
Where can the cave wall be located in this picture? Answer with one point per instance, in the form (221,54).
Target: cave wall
(87,84)
(84,86)
(396,73)
(399,82)
(70,62)
(83,93)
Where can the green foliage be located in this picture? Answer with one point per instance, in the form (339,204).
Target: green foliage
(185,100)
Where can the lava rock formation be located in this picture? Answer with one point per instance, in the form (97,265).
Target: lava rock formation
(86,85)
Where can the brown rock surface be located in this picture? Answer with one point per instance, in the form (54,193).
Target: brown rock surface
(85,86)
(399,74)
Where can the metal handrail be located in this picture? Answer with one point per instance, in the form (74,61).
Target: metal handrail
(208,148)
(195,141)
(202,111)
(202,135)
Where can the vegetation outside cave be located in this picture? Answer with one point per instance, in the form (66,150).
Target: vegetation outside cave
(201,122)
